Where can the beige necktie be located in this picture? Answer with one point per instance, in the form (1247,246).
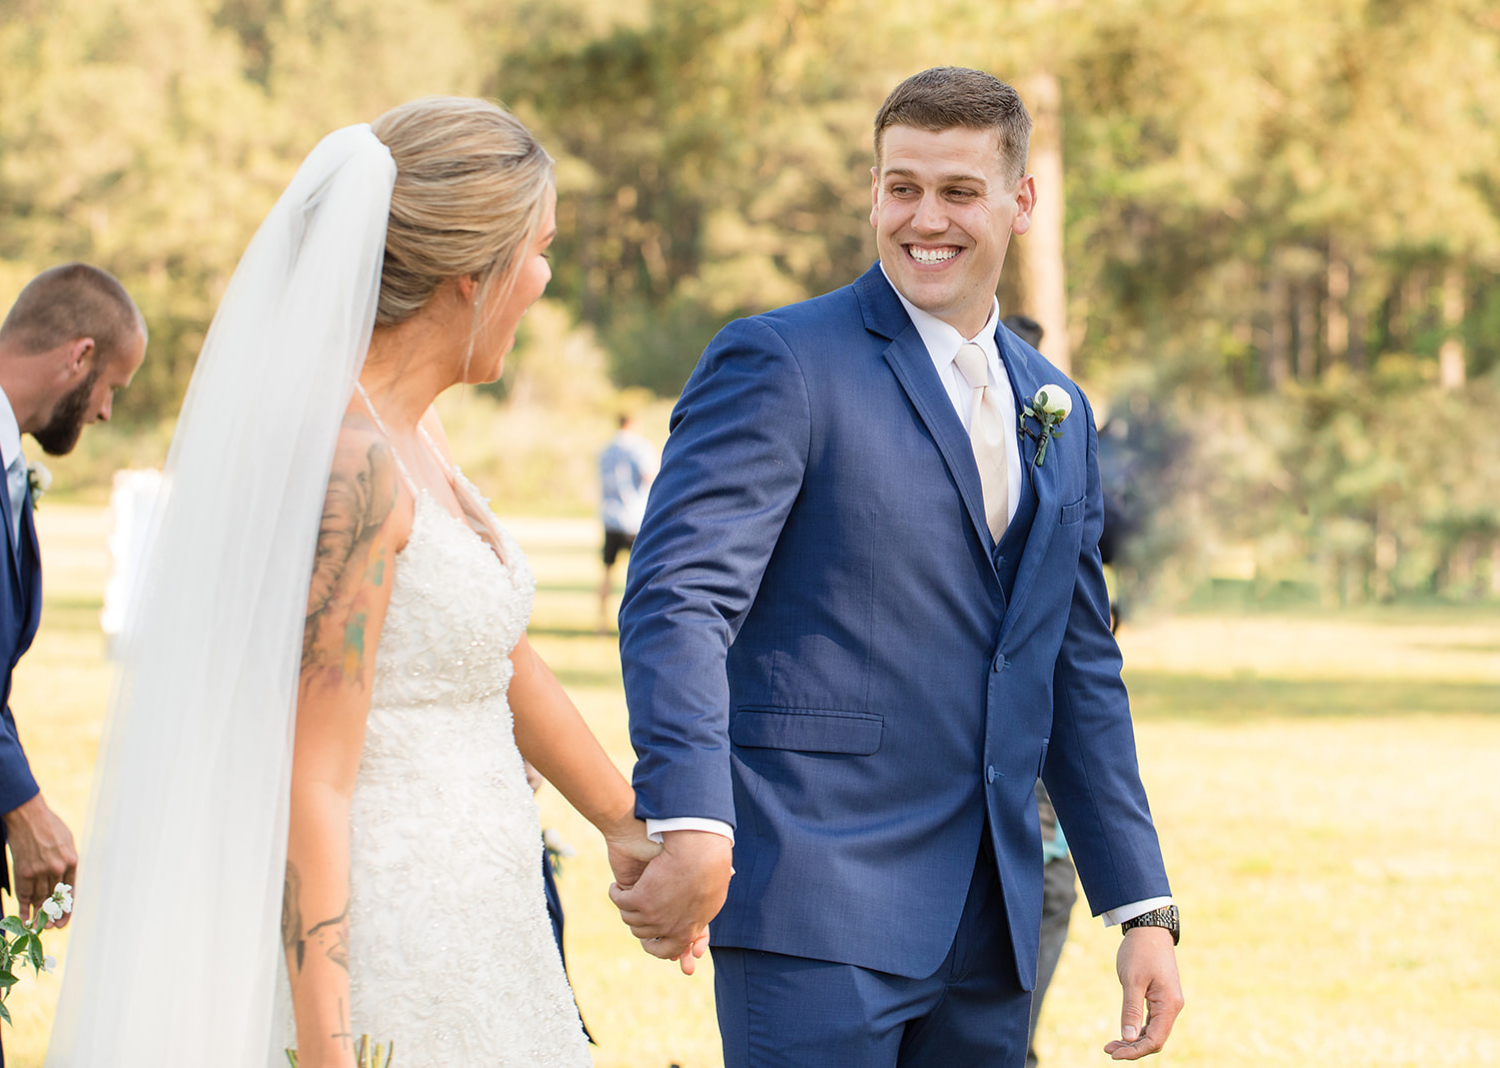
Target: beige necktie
(987,436)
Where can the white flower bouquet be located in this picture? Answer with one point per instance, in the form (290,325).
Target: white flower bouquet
(23,942)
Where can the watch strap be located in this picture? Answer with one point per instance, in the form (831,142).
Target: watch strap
(1166,916)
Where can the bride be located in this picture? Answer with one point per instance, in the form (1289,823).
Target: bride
(337,758)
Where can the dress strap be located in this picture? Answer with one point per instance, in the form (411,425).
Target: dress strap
(395,453)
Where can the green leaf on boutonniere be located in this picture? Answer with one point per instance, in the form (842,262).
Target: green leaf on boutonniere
(1048,408)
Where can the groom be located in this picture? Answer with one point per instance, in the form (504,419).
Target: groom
(860,619)
(72,338)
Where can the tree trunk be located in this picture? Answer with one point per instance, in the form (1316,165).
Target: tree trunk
(1278,326)
(1307,332)
(1452,369)
(1358,316)
(1335,315)
(1042,291)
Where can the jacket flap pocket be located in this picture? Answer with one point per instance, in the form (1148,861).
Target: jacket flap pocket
(807,730)
(1072,513)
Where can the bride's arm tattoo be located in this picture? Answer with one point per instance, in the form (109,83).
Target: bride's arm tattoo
(361,496)
(291,915)
(332,936)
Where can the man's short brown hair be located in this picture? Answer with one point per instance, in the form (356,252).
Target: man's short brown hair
(76,300)
(945,97)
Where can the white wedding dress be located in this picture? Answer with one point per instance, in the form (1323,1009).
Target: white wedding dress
(451,952)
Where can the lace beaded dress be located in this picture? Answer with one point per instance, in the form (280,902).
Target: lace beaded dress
(451,953)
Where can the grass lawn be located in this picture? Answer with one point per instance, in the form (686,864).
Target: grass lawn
(1327,790)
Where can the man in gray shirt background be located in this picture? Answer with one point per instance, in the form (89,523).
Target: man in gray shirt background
(626,467)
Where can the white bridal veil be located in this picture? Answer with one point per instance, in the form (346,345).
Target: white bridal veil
(176,934)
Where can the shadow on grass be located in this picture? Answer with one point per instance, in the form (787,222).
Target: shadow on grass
(1158,695)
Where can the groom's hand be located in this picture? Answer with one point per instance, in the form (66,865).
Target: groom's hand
(42,848)
(1147,966)
(680,891)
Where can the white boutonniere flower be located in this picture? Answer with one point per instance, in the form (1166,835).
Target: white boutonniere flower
(1051,405)
(40,480)
(557,848)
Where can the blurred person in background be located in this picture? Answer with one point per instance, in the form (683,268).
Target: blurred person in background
(626,467)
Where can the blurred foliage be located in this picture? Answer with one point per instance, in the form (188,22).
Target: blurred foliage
(1363,489)
(1283,223)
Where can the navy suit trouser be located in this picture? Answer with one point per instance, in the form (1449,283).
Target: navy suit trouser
(779,1011)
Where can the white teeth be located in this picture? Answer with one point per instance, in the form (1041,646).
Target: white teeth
(931,255)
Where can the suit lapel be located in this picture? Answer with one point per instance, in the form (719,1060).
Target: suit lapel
(10,528)
(18,599)
(1023,371)
(29,561)
(909,359)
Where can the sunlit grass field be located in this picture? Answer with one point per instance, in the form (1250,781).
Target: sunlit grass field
(1327,790)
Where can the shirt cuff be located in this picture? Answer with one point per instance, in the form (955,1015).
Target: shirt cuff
(1132,910)
(656,828)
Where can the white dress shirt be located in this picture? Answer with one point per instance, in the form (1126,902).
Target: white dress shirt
(943,342)
(15,465)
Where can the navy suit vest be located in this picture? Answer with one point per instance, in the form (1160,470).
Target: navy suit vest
(1007,554)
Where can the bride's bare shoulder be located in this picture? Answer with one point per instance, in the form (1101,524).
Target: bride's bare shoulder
(366,495)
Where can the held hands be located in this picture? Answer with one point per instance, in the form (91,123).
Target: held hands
(630,850)
(1147,966)
(670,905)
(44,854)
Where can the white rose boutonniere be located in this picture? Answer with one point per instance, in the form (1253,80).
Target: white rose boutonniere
(40,480)
(1051,405)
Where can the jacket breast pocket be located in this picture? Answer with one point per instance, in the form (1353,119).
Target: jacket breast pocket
(807,730)
(1072,513)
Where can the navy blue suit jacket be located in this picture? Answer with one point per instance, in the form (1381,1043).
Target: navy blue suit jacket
(20,612)
(823,647)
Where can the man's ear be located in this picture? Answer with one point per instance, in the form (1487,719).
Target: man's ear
(80,358)
(1025,205)
(874,196)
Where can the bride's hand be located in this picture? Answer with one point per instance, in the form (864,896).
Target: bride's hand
(629,851)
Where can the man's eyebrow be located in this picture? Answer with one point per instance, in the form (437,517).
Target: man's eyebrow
(946,179)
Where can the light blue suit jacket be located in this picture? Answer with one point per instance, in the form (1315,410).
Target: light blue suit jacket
(823,647)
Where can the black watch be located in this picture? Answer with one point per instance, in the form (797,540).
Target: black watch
(1166,916)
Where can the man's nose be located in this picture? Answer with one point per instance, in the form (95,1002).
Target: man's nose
(102,415)
(930,217)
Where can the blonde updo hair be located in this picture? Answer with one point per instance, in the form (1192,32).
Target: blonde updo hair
(470,194)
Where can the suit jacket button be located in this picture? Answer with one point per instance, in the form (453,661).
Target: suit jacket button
(990,773)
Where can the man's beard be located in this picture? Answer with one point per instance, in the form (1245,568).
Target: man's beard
(61,433)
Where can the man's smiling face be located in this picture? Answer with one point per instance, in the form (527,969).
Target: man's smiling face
(944,209)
